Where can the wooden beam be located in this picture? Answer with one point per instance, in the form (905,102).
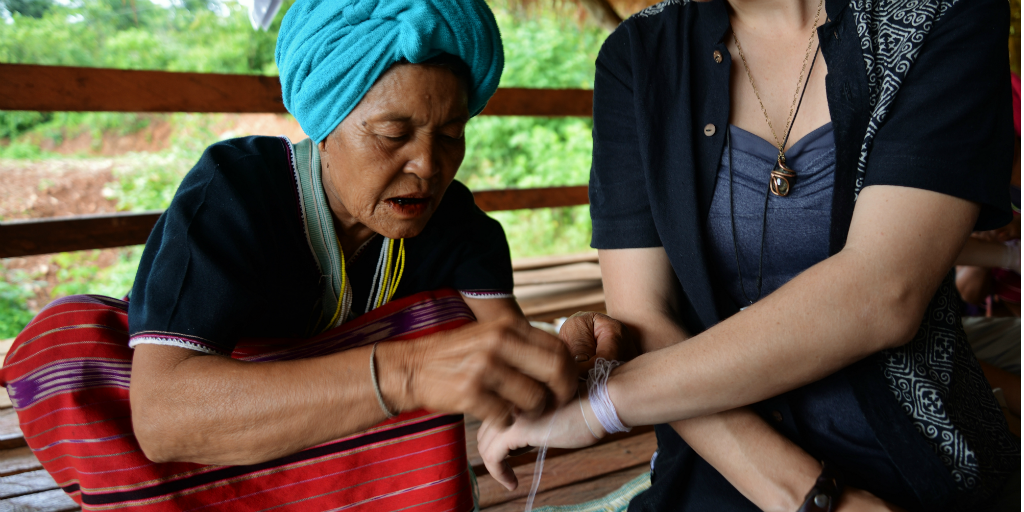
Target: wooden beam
(555,260)
(525,198)
(10,430)
(45,236)
(18,460)
(578,493)
(571,468)
(48,501)
(77,89)
(74,89)
(541,102)
(26,483)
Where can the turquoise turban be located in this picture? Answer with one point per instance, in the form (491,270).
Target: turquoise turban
(330,52)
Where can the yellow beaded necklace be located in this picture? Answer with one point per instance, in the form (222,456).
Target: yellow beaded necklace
(390,268)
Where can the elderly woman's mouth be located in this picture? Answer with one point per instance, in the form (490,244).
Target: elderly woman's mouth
(410,206)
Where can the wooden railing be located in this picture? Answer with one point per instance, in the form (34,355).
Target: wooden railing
(82,232)
(74,89)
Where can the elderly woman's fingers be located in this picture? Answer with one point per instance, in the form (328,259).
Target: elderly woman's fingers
(578,334)
(588,334)
(546,360)
(528,395)
(614,339)
(491,408)
(484,369)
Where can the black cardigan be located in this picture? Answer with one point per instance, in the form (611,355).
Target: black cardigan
(919,96)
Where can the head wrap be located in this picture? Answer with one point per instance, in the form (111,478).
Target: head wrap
(330,52)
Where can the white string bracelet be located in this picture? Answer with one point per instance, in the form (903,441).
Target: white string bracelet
(600,402)
(376,387)
(579,398)
(597,383)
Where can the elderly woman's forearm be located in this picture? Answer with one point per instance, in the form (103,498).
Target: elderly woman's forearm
(209,409)
(215,410)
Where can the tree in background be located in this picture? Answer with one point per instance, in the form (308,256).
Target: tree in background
(29,8)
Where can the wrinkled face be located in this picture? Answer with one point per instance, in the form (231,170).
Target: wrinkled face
(387,165)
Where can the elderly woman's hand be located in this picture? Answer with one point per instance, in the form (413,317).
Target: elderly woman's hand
(486,370)
(589,334)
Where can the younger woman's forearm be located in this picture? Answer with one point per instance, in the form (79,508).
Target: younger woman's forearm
(823,320)
(764,466)
(868,297)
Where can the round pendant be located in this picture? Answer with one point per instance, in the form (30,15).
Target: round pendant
(779,182)
(780,186)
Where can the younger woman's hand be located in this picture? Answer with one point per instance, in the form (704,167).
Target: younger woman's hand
(563,427)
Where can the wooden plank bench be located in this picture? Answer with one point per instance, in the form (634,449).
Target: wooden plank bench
(548,287)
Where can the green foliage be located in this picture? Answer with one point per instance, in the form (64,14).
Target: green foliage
(543,49)
(30,8)
(148,185)
(14,123)
(15,289)
(79,273)
(76,272)
(547,48)
(23,150)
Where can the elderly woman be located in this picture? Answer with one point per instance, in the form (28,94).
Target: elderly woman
(779,192)
(266,238)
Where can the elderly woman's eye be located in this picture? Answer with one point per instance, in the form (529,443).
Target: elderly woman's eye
(394,137)
(454,135)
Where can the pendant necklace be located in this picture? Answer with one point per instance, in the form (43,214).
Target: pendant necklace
(778,185)
(779,182)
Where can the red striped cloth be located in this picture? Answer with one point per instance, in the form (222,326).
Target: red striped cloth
(68,374)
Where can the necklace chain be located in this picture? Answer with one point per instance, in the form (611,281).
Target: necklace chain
(800,80)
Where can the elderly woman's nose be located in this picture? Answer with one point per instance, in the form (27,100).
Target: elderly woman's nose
(425,159)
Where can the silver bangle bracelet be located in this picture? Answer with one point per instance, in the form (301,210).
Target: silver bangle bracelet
(376,387)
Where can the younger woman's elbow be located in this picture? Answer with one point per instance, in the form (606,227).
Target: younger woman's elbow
(899,315)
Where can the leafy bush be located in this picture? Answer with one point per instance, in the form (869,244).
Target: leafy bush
(21,149)
(15,289)
(149,184)
(14,123)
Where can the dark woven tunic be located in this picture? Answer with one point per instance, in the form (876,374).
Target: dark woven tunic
(230,259)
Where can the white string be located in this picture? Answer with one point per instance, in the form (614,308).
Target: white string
(539,466)
(604,409)
(377,275)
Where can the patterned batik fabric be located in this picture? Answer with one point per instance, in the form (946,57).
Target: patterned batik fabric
(68,375)
(935,378)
